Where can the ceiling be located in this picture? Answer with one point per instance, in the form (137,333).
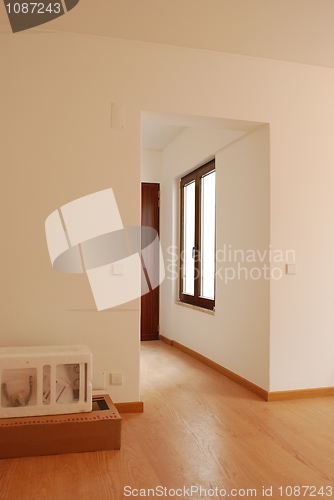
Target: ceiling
(290,30)
(157,136)
(299,31)
(160,129)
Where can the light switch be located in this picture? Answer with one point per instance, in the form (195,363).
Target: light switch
(291,269)
(118,269)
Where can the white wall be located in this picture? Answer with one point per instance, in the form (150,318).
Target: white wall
(237,336)
(192,148)
(58,145)
(151,166)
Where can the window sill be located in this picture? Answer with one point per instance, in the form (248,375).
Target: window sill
(195,308)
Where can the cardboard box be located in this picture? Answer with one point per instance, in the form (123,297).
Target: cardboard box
(97,430)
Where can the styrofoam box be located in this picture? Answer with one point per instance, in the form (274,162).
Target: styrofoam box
(45,380)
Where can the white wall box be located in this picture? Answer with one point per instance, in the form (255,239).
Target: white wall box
(45,380)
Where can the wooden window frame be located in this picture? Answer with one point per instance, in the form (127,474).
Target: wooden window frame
(196,299)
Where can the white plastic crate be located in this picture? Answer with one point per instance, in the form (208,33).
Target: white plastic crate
(45,380)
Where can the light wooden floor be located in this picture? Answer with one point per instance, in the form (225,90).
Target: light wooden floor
(199,429)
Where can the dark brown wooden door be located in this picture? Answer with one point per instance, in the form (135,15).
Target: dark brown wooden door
(150,301)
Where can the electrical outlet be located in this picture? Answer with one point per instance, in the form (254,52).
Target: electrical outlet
(116,378)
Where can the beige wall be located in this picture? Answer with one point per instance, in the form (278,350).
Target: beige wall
(151,166)
(58,145)
(237,336)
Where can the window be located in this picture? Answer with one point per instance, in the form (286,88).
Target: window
(198,223)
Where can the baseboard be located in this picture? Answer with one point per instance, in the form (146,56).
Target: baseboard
(267,396)
(166,340)
(130,407)
(218,368)
(320,392)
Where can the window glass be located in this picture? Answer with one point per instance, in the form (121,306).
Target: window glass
(189,239)
(208,223)
(197,241)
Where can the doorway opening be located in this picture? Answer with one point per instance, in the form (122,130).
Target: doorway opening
(172,146)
